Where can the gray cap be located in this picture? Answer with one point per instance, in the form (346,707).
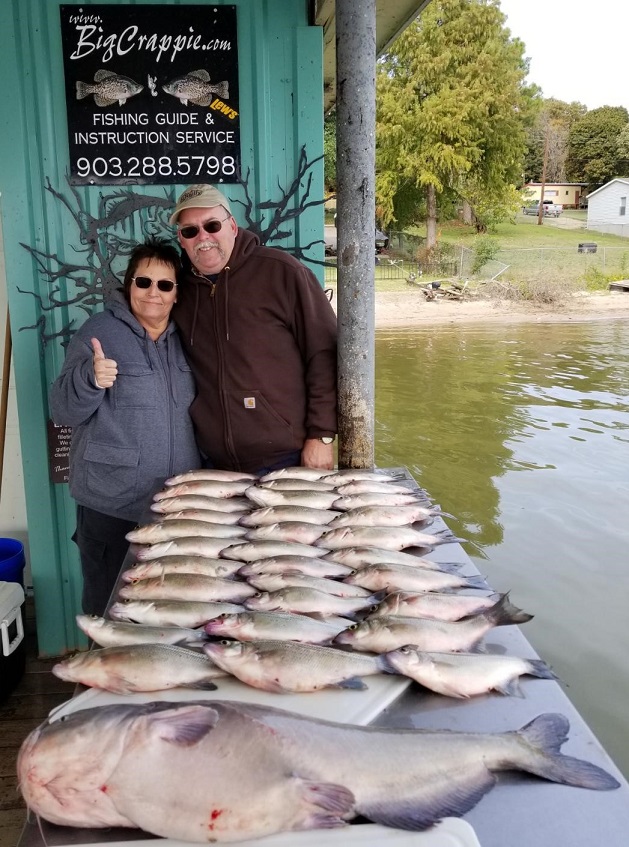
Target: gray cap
(199,197)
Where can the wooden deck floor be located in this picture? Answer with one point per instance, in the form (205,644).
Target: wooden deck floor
(29,704)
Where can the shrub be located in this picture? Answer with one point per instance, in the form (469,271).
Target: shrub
(485,249)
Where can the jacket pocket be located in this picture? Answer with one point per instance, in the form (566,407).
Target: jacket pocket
(256,424)
(136,386)
(111,470)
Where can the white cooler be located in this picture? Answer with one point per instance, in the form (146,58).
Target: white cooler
(12,655)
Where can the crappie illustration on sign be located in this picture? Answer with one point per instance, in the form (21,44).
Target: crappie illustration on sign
(108,88)
(195,87)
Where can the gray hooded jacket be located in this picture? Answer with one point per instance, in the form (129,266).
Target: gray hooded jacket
(127,439)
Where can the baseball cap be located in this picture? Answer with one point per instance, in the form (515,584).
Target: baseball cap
(199,197)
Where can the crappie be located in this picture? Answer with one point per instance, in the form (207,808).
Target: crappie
(356,557)
(275,626)
(108,88)
(432,604)
(385,537)
(251,551)
(465,674)
(309,601)
(300,531)
(380,635)
(139,667)
(180,564)
(297,485)
(188,586)
(270,497)
(118,634)
(275,581)
(200,501)
(207,515)
(357,501)
(153,533)
(393,577)
(298,472)
(304,564)
(205,488)
(277,514)
(214,474)
(289,666)
(196,88)
(164,765)
(170,612)
(347,475)
(364,486)
(198,545)
(385,516)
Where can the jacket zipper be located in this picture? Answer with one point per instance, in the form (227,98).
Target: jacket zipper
(229,444)
(171,440)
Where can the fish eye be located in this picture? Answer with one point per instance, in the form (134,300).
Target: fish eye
(374,608)
(225,642)
(353,627)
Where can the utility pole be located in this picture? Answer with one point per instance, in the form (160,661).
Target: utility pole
(540,211)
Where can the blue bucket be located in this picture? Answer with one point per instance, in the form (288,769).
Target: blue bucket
(12,561)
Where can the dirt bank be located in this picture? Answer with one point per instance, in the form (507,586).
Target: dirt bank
(407,309)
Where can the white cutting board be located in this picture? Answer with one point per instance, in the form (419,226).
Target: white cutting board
(451,832)
(333,704)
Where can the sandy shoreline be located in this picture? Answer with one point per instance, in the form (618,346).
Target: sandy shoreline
(409,309)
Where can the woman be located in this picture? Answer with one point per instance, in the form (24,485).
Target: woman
(125,389)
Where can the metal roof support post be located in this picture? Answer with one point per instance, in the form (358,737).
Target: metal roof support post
(355,167)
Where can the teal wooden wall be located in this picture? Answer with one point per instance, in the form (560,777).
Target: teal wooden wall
(281,108)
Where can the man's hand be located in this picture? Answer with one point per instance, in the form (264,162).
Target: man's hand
(105,370)
(316,454)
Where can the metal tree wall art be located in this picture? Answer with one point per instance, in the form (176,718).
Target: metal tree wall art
(94,269)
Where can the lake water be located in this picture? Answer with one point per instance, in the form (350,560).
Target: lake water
(522,433)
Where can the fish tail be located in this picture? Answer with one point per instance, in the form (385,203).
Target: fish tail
(446,536)
(83,89)
(540,669)
(222,89)
(544,736)
(504,613)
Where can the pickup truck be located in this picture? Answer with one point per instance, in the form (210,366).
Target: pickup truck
(552,210)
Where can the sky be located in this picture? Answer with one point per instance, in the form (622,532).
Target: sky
(578,49)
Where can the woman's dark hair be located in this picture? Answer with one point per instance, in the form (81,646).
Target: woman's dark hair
(159,249)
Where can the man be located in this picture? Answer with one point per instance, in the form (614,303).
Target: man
(260,337)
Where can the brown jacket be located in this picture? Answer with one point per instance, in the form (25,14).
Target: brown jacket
(261,342)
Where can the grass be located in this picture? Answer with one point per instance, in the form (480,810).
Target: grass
(539,263)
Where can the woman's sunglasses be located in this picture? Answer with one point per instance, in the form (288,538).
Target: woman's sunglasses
(211,226)
(147,282)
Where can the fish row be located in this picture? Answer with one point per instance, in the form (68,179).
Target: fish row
(282,666)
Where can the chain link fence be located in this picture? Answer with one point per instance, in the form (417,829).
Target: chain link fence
(572,266)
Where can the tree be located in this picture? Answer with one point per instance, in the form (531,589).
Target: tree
(329,152)
(552,122)
(593,154)
(451,110)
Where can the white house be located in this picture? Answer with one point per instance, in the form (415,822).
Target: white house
(608,207)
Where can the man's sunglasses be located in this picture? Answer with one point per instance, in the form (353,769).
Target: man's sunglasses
(211,226)
(146,282)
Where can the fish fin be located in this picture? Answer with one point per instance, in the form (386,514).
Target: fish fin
(419,807)
(538,668)
(476,582)
(103,74)
(545,735)
(200,74)
(104,101)
(510,688)
(354,682)
(330,805)
(223,89)
(83,89)
(504,613)
(205,100)
(183,725)
(202,686)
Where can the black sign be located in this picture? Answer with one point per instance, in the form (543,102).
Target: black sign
(151,94)
(59,439)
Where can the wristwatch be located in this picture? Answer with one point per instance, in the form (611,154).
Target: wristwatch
(326,439)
